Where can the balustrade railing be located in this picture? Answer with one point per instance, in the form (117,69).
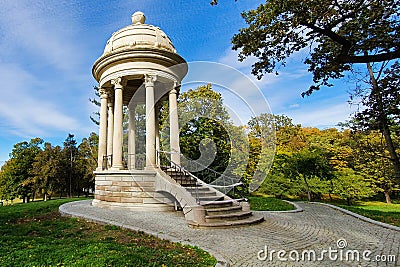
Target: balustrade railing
(107,162)
(228,185)
(129,161)
(179,174)
(134,161)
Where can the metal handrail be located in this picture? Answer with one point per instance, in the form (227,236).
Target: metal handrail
(201,182)
(208,169)
(183,175)
(225,185)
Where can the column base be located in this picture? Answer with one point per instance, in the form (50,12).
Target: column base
(117,167)
(150,168)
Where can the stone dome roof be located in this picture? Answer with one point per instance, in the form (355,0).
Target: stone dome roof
(138,35)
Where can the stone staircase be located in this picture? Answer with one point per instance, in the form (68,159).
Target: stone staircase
(219,209)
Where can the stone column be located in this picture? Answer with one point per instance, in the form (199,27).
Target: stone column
(131,139)
(157,129)
(174,127)
(110,127)
(118,128)
(102,129)
(150,122)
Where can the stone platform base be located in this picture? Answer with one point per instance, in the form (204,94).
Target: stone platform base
(131,190)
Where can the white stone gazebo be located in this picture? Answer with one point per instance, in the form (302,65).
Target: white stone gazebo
(141,66)
(139,56)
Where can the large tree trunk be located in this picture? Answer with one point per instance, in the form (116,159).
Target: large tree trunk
(387,197)
(392,149)
(384,126)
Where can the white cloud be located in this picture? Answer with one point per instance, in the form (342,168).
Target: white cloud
(322,116)
(41,64)
(242,96)
(39,30)
(230,58)
(24,112)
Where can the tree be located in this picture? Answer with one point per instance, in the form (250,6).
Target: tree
(373,160)
(339,34)
(86,162)
(289,138)
(16,174)
(277,183)
(204,124)
(351,186)
(95,118)
(70,152)
(8,189)
(49,170)
(307,164)
(381,100)
(335,144)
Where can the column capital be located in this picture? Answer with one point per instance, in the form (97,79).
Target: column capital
(173,91)
(149,79)
(118,83)
(176,87)
(110,104)
(103,93)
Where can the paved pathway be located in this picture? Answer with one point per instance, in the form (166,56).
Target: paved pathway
(317,228)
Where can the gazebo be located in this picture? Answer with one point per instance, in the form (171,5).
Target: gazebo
(140,65)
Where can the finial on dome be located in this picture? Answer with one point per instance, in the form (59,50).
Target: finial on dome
(138,18)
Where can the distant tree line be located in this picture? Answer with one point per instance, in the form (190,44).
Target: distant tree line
(314,163)
(37,169)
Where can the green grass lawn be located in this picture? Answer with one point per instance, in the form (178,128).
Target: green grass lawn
(35,234)
(378,211)
(260,203)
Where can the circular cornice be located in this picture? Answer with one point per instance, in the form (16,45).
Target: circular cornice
(164,58)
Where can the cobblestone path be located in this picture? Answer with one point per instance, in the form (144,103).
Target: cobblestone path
(327,232)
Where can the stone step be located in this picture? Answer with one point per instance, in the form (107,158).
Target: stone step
(228,224)
(187,184)
(210,198)
(169,172)
(203,193)
(182,178)
(180,175)
(225,210)
(219,212)
(234,216)
(218,204)
(199,189)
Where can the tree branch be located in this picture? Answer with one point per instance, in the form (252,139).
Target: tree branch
(345,16)
(345,58)
(327,32)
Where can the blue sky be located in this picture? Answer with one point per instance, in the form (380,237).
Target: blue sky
(47,48)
